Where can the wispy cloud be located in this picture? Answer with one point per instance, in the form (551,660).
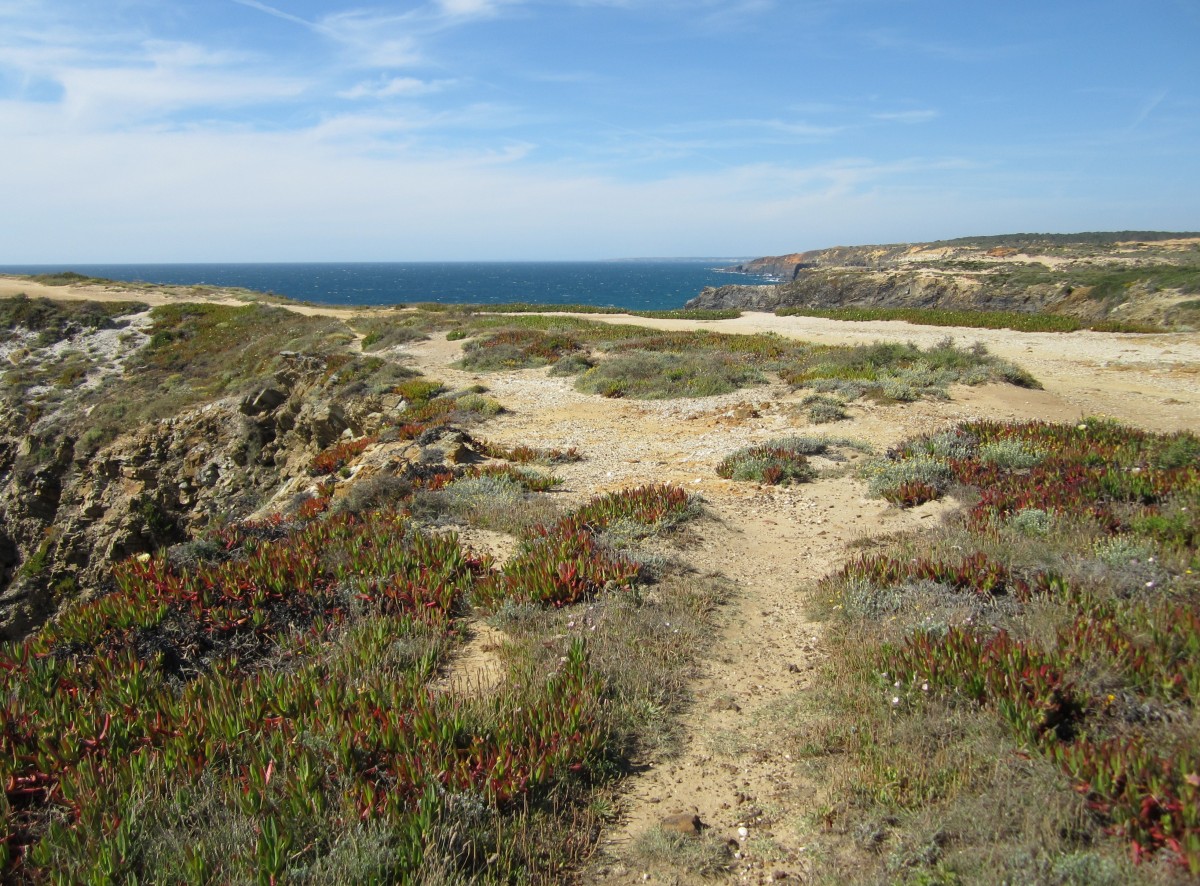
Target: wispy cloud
(279,13)
(1148,107)
(394,87)
(473,9)
(923,115)
(943,49)
(801,129)
(294,129)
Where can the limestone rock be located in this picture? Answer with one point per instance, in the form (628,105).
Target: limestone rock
(689,825)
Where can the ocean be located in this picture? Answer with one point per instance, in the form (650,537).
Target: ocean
(634,285)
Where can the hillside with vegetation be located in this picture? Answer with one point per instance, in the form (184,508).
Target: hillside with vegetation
(1130,280)
(441,594)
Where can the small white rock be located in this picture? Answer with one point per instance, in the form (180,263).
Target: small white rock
(743,833)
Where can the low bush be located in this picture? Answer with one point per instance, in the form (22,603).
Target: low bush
(774,462)
(54,321)
(924,476)
(480,405)
(526,479)
(822,409)
(899,372)
(516,349)
(1022,322)
(381,332)
(647,375)
(572,364)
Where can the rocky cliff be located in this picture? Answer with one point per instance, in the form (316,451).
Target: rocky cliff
(76,495)
(1154,280)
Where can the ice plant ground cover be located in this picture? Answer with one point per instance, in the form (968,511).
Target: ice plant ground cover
(1064,604)
(267,713)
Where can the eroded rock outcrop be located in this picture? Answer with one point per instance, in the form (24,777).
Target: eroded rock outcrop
(68,515)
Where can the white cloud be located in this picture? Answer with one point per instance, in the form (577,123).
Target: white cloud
(472,8)
(914,116)
(324,194)
(395,87)
(111,96)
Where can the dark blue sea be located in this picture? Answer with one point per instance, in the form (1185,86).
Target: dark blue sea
(636,285)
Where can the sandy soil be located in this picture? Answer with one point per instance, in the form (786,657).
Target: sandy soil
(773,544)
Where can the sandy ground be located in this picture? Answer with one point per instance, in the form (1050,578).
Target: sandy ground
(735,770)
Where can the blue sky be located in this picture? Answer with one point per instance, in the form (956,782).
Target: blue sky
(296,130)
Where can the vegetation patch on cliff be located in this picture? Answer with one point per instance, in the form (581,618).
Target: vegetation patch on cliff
(1116,282)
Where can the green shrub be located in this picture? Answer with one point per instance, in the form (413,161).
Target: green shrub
(886,477)
(516,349)
(774,462)
(54,321)
(646,375)
(480,405)
(823,409)
(1031,521)
(896,371)
(381,332)
(1008,455)
(572,364)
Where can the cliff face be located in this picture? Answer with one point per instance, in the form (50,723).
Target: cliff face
(68,515)
(817,288)
(1090,280)
(70,508)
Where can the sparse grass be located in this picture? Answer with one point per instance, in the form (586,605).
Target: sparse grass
(381,332)
(703,855)
(1013,699)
